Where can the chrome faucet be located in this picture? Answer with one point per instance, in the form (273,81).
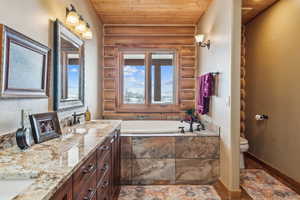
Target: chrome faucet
(76,119)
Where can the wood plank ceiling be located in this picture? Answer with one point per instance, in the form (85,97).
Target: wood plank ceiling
(166,11)
(252,8)
(150,11)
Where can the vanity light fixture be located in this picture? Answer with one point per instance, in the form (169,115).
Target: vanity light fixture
(72,16)
(81,26)
(88,34)
(77,23)
(200,39)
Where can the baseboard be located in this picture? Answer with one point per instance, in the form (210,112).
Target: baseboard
(292,183)
(229,195)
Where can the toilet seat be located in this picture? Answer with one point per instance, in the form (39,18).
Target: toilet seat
(243,141)
(244,146)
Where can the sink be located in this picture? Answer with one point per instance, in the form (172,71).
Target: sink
(91,125)
(11,188)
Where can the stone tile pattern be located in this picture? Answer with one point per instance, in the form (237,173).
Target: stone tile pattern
(178,192)
(159,160)
(7,141)
(260,185)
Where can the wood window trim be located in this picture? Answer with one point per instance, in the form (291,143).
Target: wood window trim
(147,107)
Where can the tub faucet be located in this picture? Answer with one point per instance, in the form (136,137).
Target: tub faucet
(200,126)
(181,129)
(191,122)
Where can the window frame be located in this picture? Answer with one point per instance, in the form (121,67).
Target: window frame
(147,107)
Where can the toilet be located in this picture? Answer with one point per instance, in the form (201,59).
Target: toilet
(244,146)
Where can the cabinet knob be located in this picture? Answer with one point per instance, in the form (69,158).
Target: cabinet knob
(105,167)
(105,148)
(89,169)
(90,194)
(105,184)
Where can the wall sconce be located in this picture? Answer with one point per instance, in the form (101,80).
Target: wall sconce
(200,39)
(76,21)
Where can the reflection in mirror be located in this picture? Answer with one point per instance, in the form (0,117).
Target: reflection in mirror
(68,69)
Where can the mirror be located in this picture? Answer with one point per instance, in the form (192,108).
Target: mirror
(68,68)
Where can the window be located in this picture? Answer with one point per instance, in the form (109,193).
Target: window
(134,79)
(162,78)
(148,79)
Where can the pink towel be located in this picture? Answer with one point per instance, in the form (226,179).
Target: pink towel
(205,91)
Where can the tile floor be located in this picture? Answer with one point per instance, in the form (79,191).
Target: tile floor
(170,192)
(261,185)
(256,182)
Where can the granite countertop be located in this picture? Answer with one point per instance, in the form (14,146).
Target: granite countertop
(51,163)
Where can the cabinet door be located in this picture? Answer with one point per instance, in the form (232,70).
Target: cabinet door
(65,192)
(118,160)
(116,164)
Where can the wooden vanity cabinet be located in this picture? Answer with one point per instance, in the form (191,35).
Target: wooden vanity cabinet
(99,177)
(65,192)
(104,153)
(84,180)
(116,164)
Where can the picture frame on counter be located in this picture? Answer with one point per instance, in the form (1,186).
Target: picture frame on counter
(24,66)
(45,126)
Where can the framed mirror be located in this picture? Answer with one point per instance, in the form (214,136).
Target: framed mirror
(68,68)
(24,66)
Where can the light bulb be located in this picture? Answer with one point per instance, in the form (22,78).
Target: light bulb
(72,18)
(199,38)
(81,26)
(88,34)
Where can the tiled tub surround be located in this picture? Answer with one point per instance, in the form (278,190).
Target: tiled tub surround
(51,163)
(170,158)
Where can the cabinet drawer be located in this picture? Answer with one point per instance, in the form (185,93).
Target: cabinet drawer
(87,190)
(103,190)
(104,149)
(84,175)
(104,166)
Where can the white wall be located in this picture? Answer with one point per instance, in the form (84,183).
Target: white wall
(222,25)
(33,18)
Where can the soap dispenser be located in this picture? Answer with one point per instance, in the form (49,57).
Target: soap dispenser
(87,115)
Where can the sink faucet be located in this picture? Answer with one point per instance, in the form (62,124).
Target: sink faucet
(76,117)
